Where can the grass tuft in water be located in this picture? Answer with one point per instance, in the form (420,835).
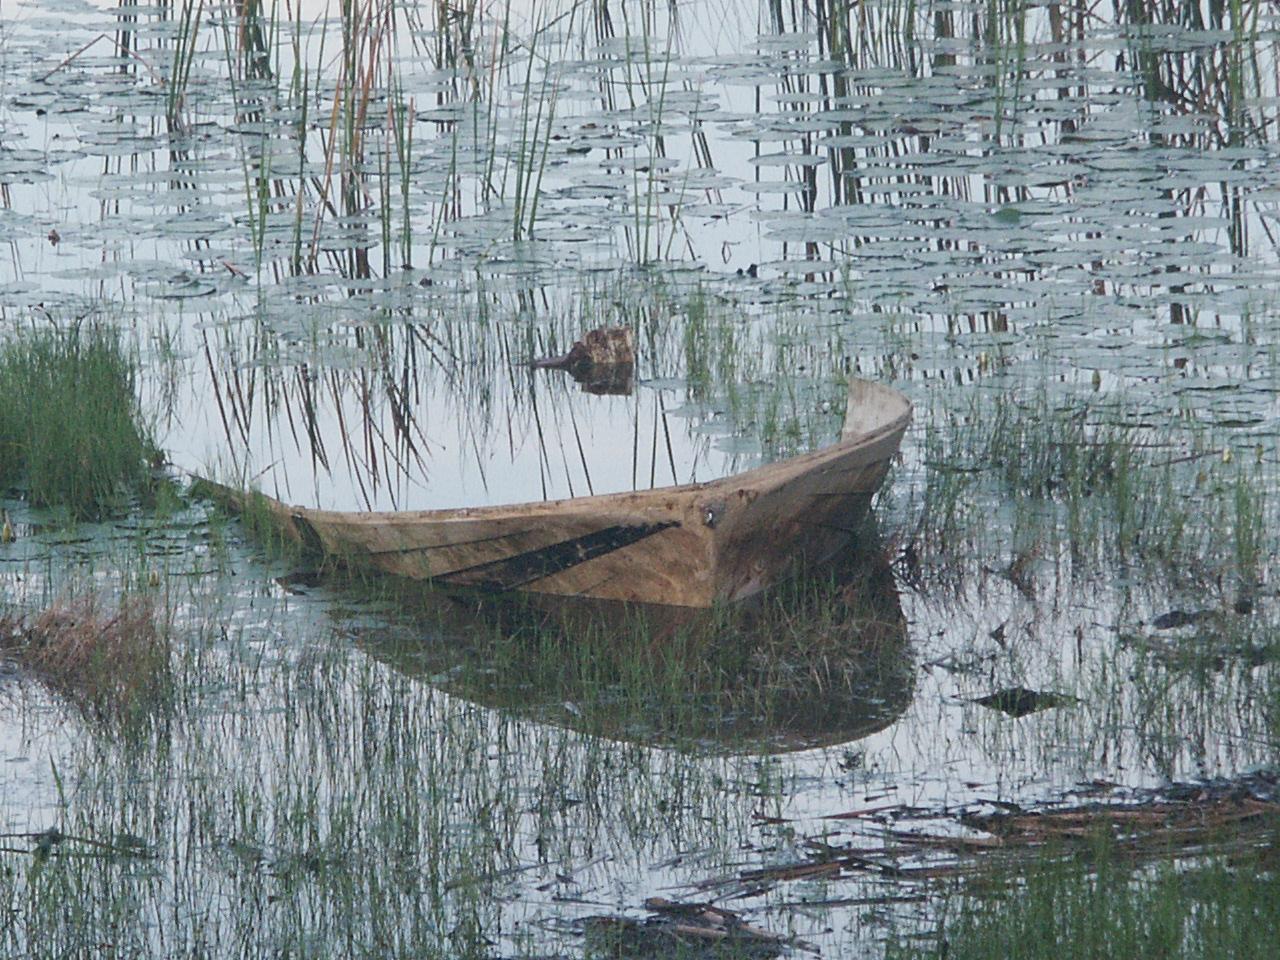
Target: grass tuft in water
(111,661)
(70,428)
(1100,907)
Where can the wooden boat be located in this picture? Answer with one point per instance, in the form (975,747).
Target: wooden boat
(693,545)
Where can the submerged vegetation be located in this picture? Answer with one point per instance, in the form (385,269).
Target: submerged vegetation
(1102,906)
(1086,482)
(813,662)
(71,434)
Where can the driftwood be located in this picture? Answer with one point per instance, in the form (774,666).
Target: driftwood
(603,361)
(687,930)
(1177,821)
(1162,825)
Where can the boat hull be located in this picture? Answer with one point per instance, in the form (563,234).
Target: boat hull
(687,546)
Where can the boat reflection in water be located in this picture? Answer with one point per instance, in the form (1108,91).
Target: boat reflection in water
(817,661)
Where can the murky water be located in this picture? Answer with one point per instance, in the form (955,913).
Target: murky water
(336,259)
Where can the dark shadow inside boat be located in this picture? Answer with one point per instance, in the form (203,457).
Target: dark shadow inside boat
(820,659)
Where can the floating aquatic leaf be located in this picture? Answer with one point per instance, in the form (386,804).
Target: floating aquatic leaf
(788,160)
(773,186)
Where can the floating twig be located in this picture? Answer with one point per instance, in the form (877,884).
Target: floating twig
(115,43)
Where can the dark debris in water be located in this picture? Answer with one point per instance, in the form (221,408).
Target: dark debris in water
(302,580)
(1182,618)
(1176,820)
(694,930)
(603,361)
(1019,701)
(1204,649)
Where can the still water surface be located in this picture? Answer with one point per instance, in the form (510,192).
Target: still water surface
(336,260)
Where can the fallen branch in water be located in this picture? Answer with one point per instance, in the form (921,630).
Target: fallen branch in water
(120,49)
(688,930)
(45,841)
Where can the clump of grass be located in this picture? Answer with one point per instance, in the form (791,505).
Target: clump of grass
(267,525)
(70,428)
(111,661)
(1100,907)
(1096,482)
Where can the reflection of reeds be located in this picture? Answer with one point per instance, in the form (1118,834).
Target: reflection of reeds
(1096,903)
(184,49)
(445,364)
(1011,47)
(499,153)
(1088,484)
(293,760)
(817,660)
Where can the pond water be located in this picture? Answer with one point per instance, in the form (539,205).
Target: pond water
(336,234)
